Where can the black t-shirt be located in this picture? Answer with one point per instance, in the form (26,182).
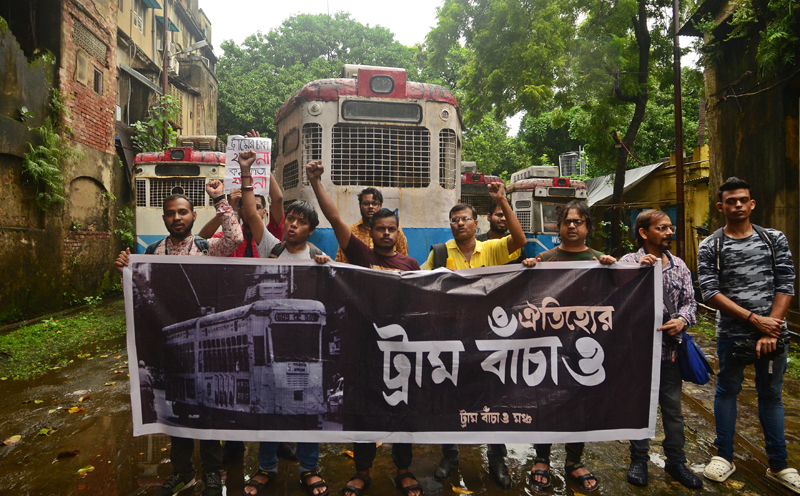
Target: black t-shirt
(358,253)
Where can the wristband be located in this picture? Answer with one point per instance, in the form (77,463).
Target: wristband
(218,199)
(749,317)
(685,322)
(248,188)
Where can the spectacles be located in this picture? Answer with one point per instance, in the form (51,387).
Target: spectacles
(664,228)
(371,204)
(465,219)
(577,222)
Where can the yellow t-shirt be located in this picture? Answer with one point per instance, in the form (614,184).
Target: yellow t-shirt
(486,254)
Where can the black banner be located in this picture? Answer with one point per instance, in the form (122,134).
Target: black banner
(249,349)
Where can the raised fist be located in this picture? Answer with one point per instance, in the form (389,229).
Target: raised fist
(497,190)
(246,159)
(214,188)
(315,169)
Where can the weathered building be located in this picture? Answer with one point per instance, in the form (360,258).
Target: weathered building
(752,122)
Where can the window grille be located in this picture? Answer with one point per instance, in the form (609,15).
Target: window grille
(138,15)
(89,42)
(141,192)
(291,175)
(193,189)
(480,203)
(524,218)
(312,145)
(447,158)
(395,157)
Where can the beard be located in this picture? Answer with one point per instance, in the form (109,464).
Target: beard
(183,234)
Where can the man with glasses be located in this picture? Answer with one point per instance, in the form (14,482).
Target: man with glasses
(654,231)
(466,252)
(370,200)
(575,225)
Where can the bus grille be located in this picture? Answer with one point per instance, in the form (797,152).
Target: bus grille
(524,218)
(312,145)
(447,159)
(141,192)
(291,174)
(393,157)
(160,188)
(297,380)
(480,203)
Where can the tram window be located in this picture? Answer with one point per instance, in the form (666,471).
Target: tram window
(312,144)
(239,340)
(291,175)
(410,113)
(550,218)
(258,350)
(447,158)
(295,342)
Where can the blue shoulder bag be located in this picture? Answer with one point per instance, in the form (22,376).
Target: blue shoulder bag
(693,362)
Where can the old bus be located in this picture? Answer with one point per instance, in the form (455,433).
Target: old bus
(262,358)
(184,169)
(372,127)
(535,194)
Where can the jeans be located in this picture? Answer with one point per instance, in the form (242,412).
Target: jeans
(307,454)
(770,403)
(496,453)
(181,456)
(364,455)
(574,452)
(669,398)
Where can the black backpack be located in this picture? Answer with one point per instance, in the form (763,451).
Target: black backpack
(718,238)
(439,255)
(200,243)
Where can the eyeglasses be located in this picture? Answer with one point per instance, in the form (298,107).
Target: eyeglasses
(465,219)
(577,222)
(664,228)
(371,204)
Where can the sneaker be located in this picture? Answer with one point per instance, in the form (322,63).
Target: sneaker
(174,485)
(212,484)
(682,474)
(637,473)
(499,473)
(445,468)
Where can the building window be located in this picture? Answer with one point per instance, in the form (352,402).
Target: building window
(138,15)
(98,82)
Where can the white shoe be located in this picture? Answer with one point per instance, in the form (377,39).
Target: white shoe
(787,477)
(719,469)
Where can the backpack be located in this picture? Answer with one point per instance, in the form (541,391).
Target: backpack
(718,238)
(200,243)
(278,249)
(439,255)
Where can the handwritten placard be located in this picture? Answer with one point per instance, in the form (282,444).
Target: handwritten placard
(260,169)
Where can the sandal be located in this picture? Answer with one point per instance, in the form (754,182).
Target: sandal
(719,469)
(314,485)
(787,477)
(260,486)
(545,474)
(581,479)
(358,491)
(398,481)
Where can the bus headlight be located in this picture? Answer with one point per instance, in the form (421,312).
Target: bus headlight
(381,84)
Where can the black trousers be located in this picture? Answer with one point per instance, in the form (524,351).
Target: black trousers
(181,455)
(364,455)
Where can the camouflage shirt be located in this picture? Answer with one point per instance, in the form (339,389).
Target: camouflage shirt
(747,278)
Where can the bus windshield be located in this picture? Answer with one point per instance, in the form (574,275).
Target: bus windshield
(295,342)
(550,218)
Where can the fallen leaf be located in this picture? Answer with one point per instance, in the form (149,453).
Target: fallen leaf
(84,398)
(118,357)
(459,490)
(68,454)
(103,356)
(348,453)
(735,484)
(110,383)
(46,431)
(163,449)
(85,470)
(38,402)
(124,367)
(52,411)
(117,371)
(3,378)
(75,409)
(71,361)
(12,440)
(378,445)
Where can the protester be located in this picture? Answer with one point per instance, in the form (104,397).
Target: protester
(498,228)
(575,225)
(654,231)
(746,273)
(464,252)
(370,200)
(384,229)
(300,222)
(179,217)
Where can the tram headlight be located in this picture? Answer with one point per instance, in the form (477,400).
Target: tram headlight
(381,84)
(177,155)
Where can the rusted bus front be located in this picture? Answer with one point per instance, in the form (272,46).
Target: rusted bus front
(405,141)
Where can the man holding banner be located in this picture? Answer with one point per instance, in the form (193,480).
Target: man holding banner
(384,230)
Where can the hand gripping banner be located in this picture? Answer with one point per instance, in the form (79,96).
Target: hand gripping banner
(254,350)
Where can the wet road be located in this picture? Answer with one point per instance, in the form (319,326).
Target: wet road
(100,436)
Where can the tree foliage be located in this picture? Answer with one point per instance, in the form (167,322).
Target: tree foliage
(256,78)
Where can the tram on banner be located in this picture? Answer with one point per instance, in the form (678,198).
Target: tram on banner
(372,127)
(535,194)
(262,358)
(184,169)
(475,192)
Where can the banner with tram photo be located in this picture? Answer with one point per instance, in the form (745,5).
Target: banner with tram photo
(256,350)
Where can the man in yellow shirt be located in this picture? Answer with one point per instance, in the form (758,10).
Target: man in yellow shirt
(370,200)
(466,252)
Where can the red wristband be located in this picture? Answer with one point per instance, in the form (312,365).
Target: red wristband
(749,317)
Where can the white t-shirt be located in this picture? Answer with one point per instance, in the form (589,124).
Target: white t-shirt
(268,242)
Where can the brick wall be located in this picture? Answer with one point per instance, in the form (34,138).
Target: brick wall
(94,34)
(75,240)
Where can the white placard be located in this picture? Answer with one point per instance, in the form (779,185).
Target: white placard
(260,169)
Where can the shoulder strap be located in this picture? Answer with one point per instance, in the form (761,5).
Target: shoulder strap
(313,251)
(767,239)
(201,244)
(439,255)
(277,250)
(716,241)
(151,248)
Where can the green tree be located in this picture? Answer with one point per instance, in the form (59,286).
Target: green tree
(488,144)
(255,79)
